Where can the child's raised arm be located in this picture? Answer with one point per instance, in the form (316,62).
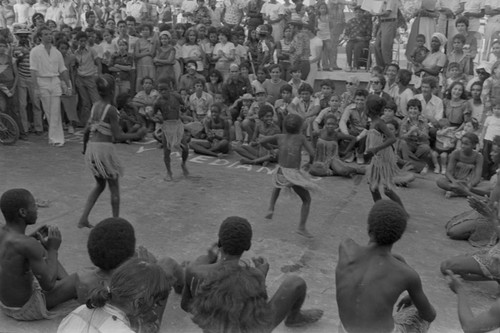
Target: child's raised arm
(117,132)
(273,139)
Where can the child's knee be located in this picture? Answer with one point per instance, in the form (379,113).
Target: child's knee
(295,282)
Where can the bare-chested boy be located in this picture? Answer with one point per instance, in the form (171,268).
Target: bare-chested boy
(289,175)
(211,283)
(370,279)
(31,279)
(169,105)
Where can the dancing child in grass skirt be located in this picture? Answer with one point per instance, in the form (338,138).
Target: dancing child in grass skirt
(288,175)
(383,168)
(174,137)
(100,154)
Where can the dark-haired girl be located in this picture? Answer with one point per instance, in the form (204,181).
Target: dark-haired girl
(456,105)
(464,168)
(382,169)
(100,154)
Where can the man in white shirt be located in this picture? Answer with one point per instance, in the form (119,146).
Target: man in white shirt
(47,65)
(473,10)
(432,106)
(22,11)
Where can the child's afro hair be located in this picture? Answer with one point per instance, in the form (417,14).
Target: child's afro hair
(235,235)
(293,123)
(386,222)
(111,242)
(265,109)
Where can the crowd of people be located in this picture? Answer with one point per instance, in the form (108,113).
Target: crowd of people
(235,76)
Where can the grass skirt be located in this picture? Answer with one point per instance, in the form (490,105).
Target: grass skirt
(102,159)
(288,177)
(406,320)
(173,132)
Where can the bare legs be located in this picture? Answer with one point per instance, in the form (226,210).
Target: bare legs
(216,150)
(287,303)
(94,195)
(166,158)
(305,196)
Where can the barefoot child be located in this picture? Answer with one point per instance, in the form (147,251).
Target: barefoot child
(169,104)
(100,155)
(32,281)
(383,167)
(288,175)
(370,280)
(327,161)
(259,154)
(217,130)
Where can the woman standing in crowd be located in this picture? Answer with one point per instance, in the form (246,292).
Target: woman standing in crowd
(144,53)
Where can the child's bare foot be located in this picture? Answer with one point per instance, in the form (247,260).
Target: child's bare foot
(304,232)
(304,317)
(245,161)
(168,177)
(185,171)
(84,224)
(269,215)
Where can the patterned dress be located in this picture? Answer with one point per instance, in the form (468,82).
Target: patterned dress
(382,169)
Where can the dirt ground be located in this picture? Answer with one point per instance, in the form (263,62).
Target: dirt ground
(180,219)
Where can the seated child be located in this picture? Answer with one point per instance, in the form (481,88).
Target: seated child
(130,120)
(464,168)
(490,129)
(217,131)
(239,112)
(420,52)
(32,280)
(327,161)
(390,111)
(256,153)
(445,144)
(469,126)
(327,90)
(332,109)
(404,160)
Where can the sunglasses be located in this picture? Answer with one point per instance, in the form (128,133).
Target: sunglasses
(350,83)
(481,72)
(374,82)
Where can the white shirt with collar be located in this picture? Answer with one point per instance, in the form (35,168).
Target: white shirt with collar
(434,108)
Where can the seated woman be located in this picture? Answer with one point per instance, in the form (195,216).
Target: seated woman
(415,132)
(435,60)
(406,161)
(217,130)
(256,153)
(327,161)
(471,225)
(145,99)
(136,287)
(464,168)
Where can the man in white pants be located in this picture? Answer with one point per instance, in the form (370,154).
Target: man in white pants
(46,65)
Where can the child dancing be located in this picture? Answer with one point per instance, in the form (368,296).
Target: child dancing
(169,105)
(288,174)
(100,154)
(383,167)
